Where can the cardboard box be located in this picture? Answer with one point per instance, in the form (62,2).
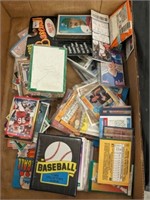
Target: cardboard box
(15,17)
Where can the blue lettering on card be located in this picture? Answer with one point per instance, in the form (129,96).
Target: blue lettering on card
(58,178)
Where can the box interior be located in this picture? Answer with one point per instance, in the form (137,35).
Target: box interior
(15,17)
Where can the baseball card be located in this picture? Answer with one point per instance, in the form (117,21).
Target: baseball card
(74,25)
(70,114)
(114,162)
(111,74)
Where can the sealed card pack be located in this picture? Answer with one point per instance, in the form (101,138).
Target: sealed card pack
(23,167)
(56,165)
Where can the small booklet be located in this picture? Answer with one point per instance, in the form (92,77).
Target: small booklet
(109,31)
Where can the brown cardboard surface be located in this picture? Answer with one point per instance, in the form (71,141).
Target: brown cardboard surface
(108,6)
(17,8)
(49,8)
(8,155)
(5,22)
(64,7)
(134,100)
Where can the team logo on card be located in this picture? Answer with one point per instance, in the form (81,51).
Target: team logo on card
(50,27)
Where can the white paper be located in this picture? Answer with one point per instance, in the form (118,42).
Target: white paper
(99,16)
(100,37)
(48,69)
(100,27)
